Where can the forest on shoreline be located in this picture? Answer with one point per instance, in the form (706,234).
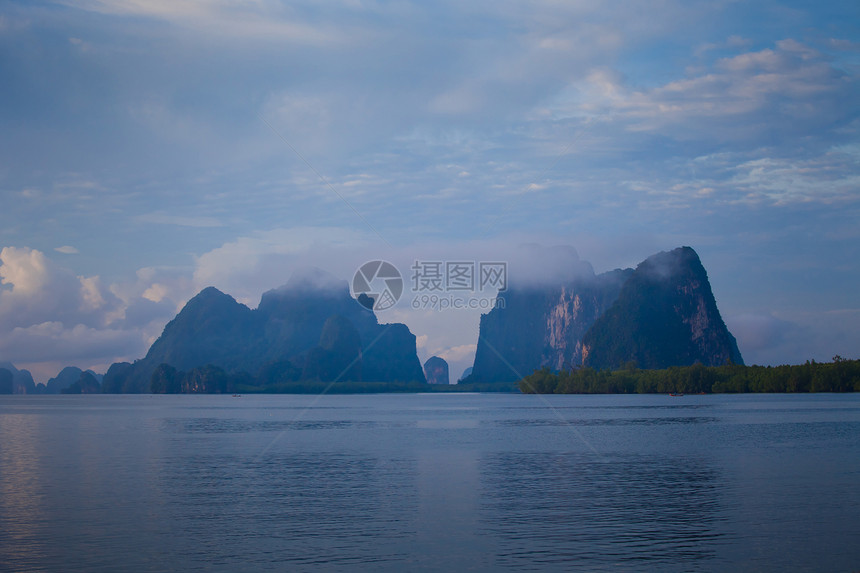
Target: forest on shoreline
(840,375)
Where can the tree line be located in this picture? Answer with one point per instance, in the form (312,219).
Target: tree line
(278,379)
(840,375)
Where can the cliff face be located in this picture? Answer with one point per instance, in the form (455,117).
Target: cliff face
(659,315)
(541,326)
(302,330)
(664,316)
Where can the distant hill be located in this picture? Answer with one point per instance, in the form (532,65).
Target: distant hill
(436,370)
(73,380)
(22,380)
(309,329)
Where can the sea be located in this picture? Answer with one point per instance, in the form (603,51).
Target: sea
(430,482)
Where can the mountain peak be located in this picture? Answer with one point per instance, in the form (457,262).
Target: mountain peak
(665,315)
(661,314)
(665,264)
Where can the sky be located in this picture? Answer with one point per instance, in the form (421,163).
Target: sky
(149,149)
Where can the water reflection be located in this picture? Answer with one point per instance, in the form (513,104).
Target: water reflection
(21,503)
(598,512)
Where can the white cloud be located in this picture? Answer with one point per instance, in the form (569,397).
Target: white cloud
(267,20)
(828,178)
(421,341)
(67,250)
(792,337)
(39,290)
(24,270)
(249,265)
(790,89)
(48,314)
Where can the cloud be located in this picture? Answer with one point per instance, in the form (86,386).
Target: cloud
(827,178)
(792,337)
(753,97)
(67,250)
(162,218)
(38,290)
(759,332)
(53,341)
(845,45)
(462,353)
(48,314)
(250,264)
(221,18)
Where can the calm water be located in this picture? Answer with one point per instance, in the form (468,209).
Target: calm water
(430,482)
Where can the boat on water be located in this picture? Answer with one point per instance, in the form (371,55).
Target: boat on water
(676,393)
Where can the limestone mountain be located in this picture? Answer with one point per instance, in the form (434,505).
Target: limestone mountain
(665,315)
(662,314)
(301,330)
(66,377)
(542,325)
(22,380)
(337,357)
(87,383)
(436,370)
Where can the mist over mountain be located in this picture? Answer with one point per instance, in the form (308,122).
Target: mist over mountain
(542,325)
(557,314)
(663,313)
(308,329)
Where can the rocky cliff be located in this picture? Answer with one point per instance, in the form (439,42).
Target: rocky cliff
(540,326)
(301,330)
(436,371)
(664,316)
(659,315)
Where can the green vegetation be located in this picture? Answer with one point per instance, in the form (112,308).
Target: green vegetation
(279,379)
(374,388)
(841,375)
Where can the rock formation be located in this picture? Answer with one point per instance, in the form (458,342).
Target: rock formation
(436,370)
(310,328)
(22,380)
(662,314)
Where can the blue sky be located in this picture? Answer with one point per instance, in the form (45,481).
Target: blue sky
(151,148)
